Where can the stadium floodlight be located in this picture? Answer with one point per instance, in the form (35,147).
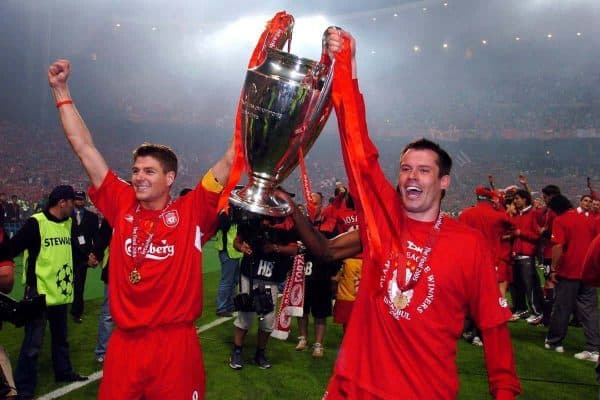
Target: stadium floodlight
(246,30)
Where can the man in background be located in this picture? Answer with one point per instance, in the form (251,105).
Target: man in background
(12,222)
(84,227)
(230,264)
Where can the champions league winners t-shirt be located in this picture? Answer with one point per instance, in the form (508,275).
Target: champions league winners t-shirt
(170,289)
(414,346)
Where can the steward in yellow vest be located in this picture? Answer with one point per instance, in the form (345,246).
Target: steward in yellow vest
(46,240)
(51,272)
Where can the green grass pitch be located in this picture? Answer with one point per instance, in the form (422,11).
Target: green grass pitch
(296,375)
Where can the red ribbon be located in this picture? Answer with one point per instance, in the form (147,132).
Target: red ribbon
(349,109)
(306,186)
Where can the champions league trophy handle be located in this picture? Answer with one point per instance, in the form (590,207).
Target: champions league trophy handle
(285,104)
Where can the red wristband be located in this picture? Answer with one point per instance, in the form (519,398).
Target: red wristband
(62,103)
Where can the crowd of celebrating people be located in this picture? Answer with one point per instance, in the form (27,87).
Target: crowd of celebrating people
(29,175)
(389,254)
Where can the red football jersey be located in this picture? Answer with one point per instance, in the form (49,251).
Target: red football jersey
(328,219)
(492,223)
(545,218)
(526,243)
(346,220)
(575,232)
(170,290)
(591,264)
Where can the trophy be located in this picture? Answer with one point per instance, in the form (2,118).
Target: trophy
(285,105)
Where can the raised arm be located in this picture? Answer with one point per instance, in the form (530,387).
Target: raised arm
(342,246)
(593,193)
(222,168)
(523,181)
(366,179)
(76,131)
(491,182)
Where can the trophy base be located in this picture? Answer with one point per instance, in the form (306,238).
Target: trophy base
(260,202)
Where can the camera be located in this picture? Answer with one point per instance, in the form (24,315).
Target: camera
(262,300)
(259,300)
(256,227)
(20,312)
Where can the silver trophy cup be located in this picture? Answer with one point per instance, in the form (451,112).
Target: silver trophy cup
(285,105)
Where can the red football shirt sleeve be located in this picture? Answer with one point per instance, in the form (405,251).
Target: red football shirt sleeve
(112,192)
(375,199)
(486,305)
(205,197)
(500,363)
(591,264)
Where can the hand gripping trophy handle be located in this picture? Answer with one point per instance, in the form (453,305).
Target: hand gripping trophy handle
(285,104)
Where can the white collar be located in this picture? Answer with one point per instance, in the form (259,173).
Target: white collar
(523,211)
(580,211)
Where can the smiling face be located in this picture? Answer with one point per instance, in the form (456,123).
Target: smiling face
(420,184)
(150,182)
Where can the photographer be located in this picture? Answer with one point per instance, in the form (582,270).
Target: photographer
(268,250)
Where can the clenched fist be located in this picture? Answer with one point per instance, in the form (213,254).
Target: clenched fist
(58,73)
(335,40)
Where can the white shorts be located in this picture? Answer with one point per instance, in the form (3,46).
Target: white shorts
(244,319)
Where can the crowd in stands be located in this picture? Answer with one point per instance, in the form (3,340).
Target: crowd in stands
(31,156)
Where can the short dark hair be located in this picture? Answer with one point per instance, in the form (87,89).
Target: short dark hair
(551,190)
(338,190)
(586,195)
(61,192)
(349,201)
(559,204)
(444,161)
(164,154)
(525,195)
